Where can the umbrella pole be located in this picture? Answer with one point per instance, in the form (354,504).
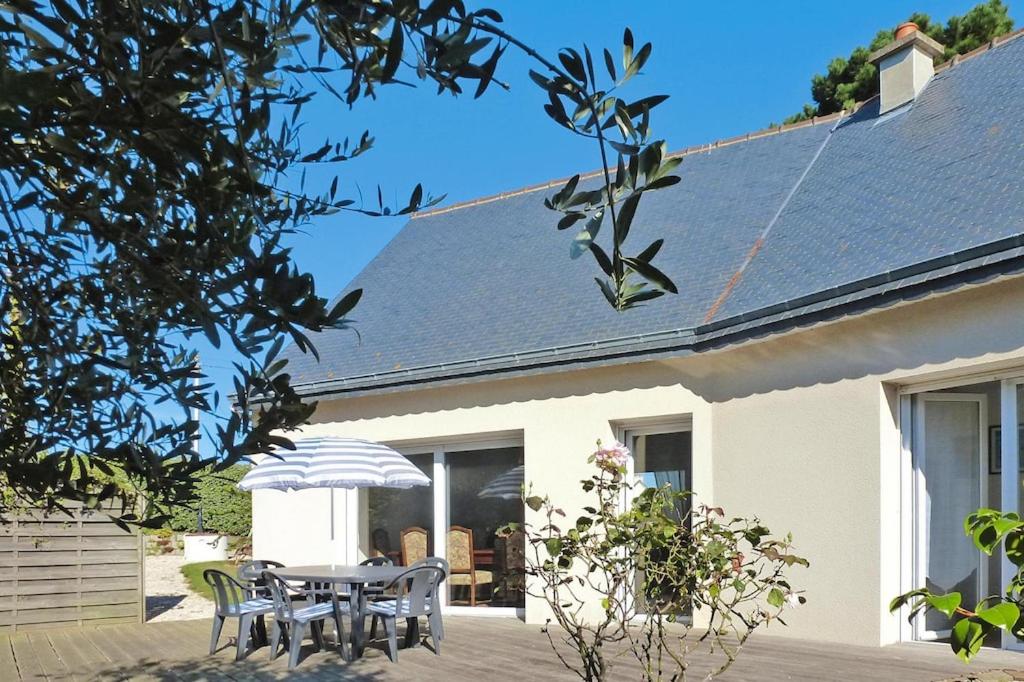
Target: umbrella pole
(332,530)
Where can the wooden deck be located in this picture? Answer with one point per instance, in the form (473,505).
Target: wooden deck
(476,649)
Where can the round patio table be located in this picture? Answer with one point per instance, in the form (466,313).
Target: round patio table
(356,578)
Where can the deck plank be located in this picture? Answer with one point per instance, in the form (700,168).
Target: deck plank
(8,667)
(476,650)
(29,667)
(53,667)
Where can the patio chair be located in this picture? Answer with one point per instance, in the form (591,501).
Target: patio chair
(442,564)
(414,545)
(437,562)
(415,596)
(232,599)
(463,565)
(297,617)
(374,591)
(251,573)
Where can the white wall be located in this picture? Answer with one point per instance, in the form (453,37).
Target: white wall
(800,429)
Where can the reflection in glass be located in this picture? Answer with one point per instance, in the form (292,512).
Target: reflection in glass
(400,521)
(951,467)
(661,459)
(484,496)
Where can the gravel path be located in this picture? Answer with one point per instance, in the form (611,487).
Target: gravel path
(167,595)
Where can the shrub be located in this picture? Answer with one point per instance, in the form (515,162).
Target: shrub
(660,559)
(226,509)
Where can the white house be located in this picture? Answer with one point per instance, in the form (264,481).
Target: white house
(845,357)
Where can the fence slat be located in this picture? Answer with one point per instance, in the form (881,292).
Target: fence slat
(59,570)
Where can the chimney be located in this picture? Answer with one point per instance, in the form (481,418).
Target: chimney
(905,65)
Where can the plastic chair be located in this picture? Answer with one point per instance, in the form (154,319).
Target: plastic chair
(373,591)
(232,600)
(463,565)
(437,562)
(296,619)
(415,596)
(251,573)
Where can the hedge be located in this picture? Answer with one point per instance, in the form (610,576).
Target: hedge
(226,509)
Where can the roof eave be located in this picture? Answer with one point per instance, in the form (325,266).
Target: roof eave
(975,267)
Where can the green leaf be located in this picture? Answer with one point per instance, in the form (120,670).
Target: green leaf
(554,546)
(573,64)
(651,274)
(581,244)
(534,502)
(395,49)
(776,598)
(627,50)
(1003,615)
(967,637)
(624,219)
(609,63)
(946,603)
(345,305)
(602,259)
(651,251)
(904,599)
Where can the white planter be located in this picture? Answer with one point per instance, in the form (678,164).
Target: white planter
(205,547)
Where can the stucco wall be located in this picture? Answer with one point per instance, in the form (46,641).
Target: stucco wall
(799,429)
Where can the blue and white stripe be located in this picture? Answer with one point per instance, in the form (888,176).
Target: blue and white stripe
(507,486)
(330,462)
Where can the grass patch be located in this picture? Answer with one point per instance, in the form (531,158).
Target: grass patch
(193,574)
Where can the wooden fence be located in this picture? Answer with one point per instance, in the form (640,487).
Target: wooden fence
(61,570)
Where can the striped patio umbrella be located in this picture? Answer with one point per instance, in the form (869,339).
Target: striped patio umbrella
(507,486)
(330,462)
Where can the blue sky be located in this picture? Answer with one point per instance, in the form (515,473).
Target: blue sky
(729,68)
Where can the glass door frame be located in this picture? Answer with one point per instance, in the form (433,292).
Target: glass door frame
(442,514)
(1009,478)
(1009,485)
(920,511)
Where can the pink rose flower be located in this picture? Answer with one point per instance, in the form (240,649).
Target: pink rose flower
(612,458)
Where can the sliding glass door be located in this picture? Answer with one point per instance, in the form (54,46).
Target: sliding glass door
(462,517)
(399,521)
(949,447)
(484,496)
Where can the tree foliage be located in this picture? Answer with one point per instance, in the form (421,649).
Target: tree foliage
(152,161)
(225,508)
(853,79)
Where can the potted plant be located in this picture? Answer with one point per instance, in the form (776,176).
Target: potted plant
(202,546)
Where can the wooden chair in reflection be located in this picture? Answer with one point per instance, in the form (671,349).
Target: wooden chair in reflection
(414,545)
(464,572)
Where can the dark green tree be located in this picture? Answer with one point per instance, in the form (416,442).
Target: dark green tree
(853,79)
(151,164)
(225,508)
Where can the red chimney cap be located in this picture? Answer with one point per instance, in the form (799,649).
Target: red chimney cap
(905,29)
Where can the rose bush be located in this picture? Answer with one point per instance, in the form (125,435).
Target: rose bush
(657,567)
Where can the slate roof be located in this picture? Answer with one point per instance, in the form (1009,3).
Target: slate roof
(789,228)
